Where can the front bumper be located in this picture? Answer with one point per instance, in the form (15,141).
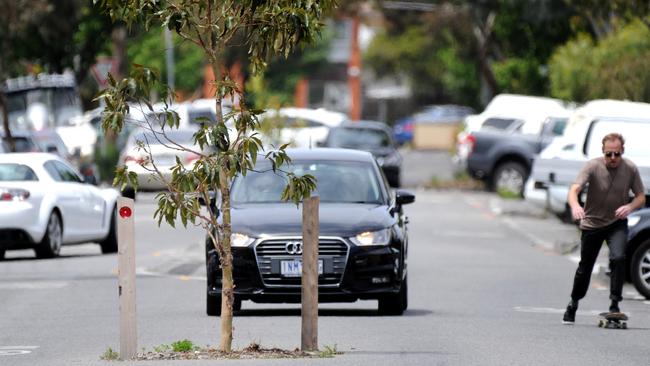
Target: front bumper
(364,273)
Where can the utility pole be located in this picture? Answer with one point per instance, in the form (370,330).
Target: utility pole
(169,58)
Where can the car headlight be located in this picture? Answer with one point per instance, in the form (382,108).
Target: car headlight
(379,237)
(240,240)
(633,220)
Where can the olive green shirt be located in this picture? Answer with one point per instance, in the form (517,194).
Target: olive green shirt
(608,189)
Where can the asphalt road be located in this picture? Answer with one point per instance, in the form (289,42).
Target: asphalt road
(487,287)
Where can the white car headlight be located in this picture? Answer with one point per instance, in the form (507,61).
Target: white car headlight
(633,220)
(240,240)
(379,237)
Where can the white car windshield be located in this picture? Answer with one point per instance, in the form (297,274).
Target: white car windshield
(337,181)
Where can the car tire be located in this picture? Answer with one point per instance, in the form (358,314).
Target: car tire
(50,246)
(509,176)
(213,305)
(109,245)
(640,268)
(2,254)
(128,192)
(394,304)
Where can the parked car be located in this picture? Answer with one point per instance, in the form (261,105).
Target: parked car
(557,166)
(363,238)
(504,159)
(299,127)
(45,204)
(444,113)
(638,251)
(374,137)
(146,148)
(24,141)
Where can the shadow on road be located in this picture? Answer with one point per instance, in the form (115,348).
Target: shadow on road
(326,312)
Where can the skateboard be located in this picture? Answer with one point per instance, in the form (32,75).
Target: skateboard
(612,320)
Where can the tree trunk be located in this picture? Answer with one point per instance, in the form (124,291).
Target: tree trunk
(227,281)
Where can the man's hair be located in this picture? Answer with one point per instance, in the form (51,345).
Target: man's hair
(614,136)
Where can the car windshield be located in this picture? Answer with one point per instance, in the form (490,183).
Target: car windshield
(337,181)
(16,172)
(368,138)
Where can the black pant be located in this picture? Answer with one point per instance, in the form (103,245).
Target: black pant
(591,240)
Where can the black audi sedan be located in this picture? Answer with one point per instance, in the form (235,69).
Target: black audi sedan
(363,239)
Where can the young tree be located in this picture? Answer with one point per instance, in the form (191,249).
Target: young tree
(266,28)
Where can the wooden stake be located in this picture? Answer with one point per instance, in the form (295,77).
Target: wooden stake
(126,278)
(310,231)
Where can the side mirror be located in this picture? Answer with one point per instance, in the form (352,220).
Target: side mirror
(213,202)
(404,197)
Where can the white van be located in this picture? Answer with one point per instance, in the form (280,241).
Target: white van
(558,165)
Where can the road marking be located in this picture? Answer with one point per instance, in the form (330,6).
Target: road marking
(33,285)
(16,350)
(542,310)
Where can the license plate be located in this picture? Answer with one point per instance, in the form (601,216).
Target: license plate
(293,268)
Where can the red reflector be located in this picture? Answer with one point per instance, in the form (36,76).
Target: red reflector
(6,197)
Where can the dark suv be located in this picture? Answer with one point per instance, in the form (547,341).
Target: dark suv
(363,238)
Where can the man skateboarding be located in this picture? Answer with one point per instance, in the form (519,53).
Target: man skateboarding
(609,180)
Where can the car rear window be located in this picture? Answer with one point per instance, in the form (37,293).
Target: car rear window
(16,173)
(356,138)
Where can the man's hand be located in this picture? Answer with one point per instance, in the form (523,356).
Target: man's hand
(623,211)
(578,212)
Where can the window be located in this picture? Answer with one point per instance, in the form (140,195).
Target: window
(66,173)
(337,181)
(16,172)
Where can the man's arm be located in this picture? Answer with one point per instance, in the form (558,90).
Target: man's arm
(638,202)
(576,210)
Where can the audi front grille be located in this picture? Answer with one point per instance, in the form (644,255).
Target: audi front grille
(271,252)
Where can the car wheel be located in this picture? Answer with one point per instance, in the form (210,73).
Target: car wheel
(2,254)
(213,305)
(394,304)
(50,246)
(509,177)
(641,269)
(109,245)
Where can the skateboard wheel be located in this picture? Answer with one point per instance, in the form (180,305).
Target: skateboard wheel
(624,325)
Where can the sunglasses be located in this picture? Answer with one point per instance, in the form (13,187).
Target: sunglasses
(609,154)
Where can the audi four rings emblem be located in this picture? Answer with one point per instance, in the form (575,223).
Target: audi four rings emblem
(293,247)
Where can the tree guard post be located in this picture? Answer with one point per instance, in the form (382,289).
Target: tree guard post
(310,231)
(126,278)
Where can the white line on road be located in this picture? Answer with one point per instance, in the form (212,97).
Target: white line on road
(16,350)
(46,285)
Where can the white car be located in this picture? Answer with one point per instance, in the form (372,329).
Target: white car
(145,147)
(44,204)
(299,127)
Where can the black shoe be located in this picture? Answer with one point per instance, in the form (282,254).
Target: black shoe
(570,313)
(613,308)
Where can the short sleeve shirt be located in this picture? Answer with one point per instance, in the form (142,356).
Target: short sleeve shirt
(608,189)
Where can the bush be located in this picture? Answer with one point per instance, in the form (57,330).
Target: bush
(614,68)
